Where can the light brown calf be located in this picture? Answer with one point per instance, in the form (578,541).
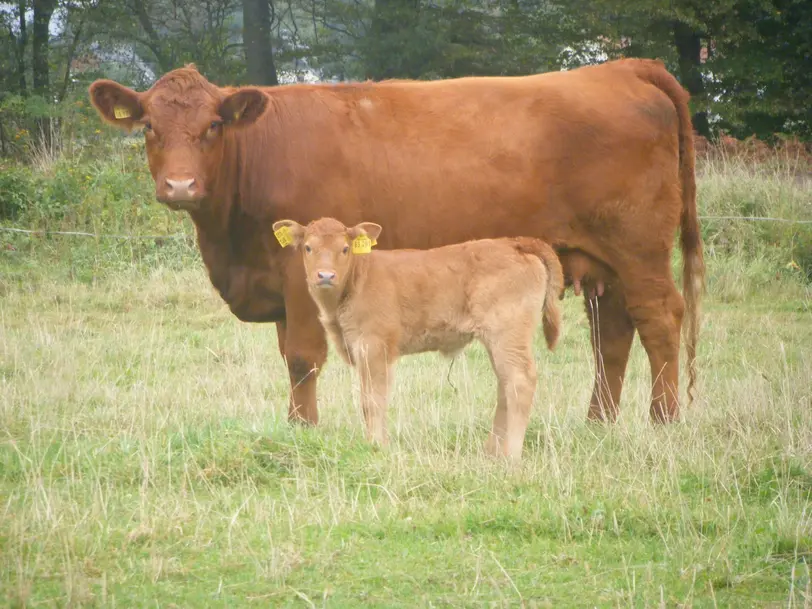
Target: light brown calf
(377,306)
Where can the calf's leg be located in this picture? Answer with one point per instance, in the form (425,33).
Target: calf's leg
(376,369)
(612,332)
(515,371)
(493,446)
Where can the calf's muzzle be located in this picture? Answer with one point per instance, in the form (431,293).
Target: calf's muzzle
(326,278)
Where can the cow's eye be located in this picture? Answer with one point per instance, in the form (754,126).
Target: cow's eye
(214,125)
(345,250)
(147,126)
(308,249)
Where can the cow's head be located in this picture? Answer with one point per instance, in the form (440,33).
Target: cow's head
(184,117)
(329,249)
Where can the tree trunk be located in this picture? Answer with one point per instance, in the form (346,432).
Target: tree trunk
(43,9)
(77,35)
(689,47)
(22,40)
(256,35)
(155,43)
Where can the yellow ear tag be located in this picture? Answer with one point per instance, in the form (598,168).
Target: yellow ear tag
(121,112)
(362,245)
(283,236)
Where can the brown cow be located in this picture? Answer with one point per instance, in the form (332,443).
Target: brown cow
(377,306)
(598,161)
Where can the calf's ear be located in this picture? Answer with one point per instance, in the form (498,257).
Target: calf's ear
(243,107)
(116,104)
(288,232)
(370,229)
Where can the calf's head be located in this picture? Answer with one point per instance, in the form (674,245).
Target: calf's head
(184,117)
(329,248)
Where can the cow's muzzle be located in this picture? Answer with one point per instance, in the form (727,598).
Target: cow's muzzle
(179,193)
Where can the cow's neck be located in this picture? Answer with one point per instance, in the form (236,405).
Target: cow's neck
(213,226)
(219,224)
(234,233)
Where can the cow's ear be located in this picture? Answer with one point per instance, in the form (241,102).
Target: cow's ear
(116,104)
(243,107)
(288,232)
(370,229)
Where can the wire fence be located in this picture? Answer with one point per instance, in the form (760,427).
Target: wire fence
(756,219)
(69,233)
(26,231)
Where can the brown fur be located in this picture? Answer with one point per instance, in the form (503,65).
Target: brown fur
(597,161)
(380,305)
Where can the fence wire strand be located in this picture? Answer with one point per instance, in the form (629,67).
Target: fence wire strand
(756,219)
(96,235)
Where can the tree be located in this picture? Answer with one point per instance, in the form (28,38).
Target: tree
(746,60)
(20,40)
(762,71)
(256,16)
(43,11)
(392,48)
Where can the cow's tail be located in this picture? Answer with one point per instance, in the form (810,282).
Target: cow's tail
(551,313)
(693,265)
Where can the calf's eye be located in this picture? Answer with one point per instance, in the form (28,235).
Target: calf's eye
(308,249)
(214,125)
(147,126)
(345,250)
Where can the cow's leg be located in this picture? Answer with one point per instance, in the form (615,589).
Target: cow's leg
(303,345)
(515,370)
(656,308)
(376,369)
(612,332)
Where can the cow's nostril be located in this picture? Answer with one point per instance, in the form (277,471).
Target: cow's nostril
(180,185)
(326,275)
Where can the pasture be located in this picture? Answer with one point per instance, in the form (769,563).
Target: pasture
(146,460)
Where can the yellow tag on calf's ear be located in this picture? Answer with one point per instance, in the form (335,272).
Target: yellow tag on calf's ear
(121,112)
(362,245)
(283,236)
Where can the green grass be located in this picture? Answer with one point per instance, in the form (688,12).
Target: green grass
(146,460)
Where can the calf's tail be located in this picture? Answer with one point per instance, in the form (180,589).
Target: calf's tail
(551,319)
(551,312)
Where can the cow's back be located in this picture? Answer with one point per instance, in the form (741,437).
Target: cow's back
(441,162)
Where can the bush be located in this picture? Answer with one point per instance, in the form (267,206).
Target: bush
(109,194)
(15,191)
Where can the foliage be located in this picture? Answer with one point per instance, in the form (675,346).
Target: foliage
(744,61)
(776,48)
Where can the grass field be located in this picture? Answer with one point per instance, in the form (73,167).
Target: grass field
(146,460)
